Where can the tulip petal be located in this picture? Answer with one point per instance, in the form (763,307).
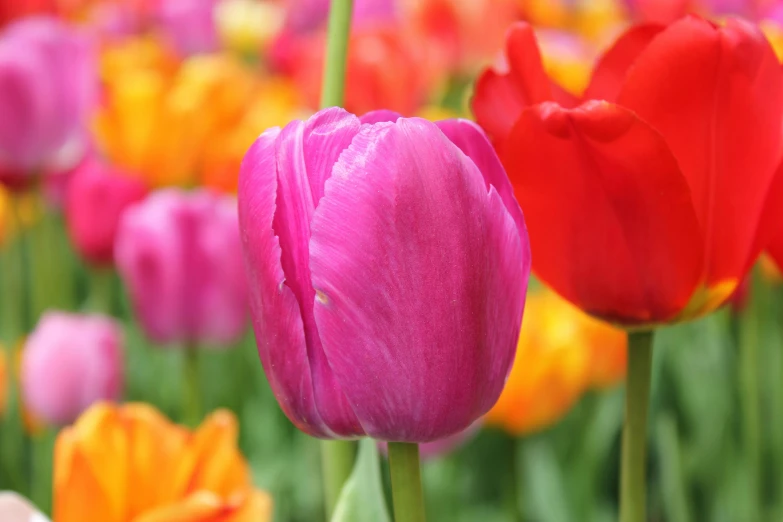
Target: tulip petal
(409,254)
(504,91)
(379,116)
(612,68)
(716,96)
(609,213)
(474,143)
(274,212)
(276,316)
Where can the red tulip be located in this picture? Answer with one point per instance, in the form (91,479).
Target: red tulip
(646,202)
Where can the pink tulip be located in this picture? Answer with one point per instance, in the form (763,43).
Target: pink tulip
(388,267)
(47,86)
(189,25)
(69,362)
(98,195)
(180,257)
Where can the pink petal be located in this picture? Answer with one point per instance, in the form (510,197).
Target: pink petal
(419,273)
(471,140)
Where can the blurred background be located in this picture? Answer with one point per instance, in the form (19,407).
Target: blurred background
(122,127)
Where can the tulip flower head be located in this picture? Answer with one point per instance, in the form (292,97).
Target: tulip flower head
(69,362)
(388,265)
(179,255)
(47,88)
(96,199)
(130,464)
(649,198)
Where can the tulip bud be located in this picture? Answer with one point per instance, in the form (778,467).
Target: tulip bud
(388,267)
(179,255)
(47,86)
(97,197)
(69,362)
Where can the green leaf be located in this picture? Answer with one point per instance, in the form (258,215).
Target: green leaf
(362,496)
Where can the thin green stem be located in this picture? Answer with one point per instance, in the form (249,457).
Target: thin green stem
(101,291)
(633,488)
(337,458)
(512,480)
(192,408)
(750,397)
(406,482)
(333,88)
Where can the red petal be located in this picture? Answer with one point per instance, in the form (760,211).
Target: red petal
(609,214)
(610,72)
(716,96)
(502,92)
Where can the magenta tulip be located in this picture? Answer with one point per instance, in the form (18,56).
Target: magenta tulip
(97,196)
(179,255)
(47,87)
(69,362)
(388,267)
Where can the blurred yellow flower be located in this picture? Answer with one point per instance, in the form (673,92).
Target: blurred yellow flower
(246,26)
(178,124)
(596,20)
(568,59)
(130,464)
(561,352)
(774,32)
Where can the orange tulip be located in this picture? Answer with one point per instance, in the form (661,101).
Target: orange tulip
(130,464)
(561,352)
(178,124)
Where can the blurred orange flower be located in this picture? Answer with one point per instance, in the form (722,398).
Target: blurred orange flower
(178,124)
(561,353)
(130,464)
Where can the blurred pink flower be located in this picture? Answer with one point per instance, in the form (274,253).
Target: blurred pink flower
(47,88)
(97,196)
(180,256)
(189,25)
(69,362)
(666,11)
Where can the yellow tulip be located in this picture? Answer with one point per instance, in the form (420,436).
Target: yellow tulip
(561,352)
(130,464)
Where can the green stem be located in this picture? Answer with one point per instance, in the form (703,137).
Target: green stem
(22,304)
(101,292)
(633,490)
(750,396)
(511,483)
(406,482)
(333,88)
(192,407)
(337,457)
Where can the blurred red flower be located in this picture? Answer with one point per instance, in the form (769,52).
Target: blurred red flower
(646,201)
